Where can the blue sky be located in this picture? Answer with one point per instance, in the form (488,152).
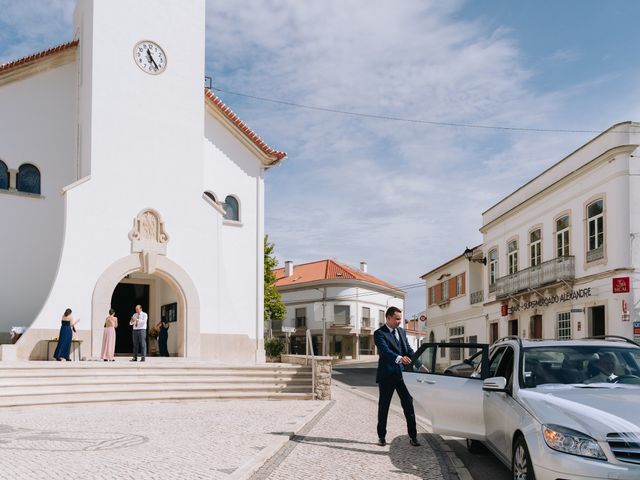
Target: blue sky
(405,197)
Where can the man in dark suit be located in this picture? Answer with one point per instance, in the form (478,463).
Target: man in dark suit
(395,355)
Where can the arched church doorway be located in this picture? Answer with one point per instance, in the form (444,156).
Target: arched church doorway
(159,299)
(165,289)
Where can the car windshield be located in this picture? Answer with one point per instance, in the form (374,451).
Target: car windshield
(580,364)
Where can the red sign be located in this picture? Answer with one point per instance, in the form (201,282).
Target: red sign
(621,285)
(504,310)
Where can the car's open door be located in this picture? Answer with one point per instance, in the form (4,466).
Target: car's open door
(454,405)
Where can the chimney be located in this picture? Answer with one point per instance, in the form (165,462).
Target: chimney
(288,268)
(363,267)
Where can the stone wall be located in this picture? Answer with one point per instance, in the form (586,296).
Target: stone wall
(322,366)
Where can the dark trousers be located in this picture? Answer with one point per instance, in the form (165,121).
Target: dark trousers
(387,386)
(139,343)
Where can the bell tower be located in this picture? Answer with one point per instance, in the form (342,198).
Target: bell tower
(141,95)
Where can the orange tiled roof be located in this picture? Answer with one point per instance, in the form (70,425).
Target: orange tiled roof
(244,128)
(275,155)
(37,56)
(325,270)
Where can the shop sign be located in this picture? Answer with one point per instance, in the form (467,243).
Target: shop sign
(550,300)
(621,285)
(636,331)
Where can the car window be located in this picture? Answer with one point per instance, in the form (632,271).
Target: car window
(505,367)
(494,360)
(580,364)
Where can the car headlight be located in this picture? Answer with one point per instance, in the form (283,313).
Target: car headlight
(570,441)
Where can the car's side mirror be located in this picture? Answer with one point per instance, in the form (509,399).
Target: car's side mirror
(495,384)
(467,361)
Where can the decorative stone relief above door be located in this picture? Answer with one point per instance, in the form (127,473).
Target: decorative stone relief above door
(148,233)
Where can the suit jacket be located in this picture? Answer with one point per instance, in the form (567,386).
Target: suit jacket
(388,349)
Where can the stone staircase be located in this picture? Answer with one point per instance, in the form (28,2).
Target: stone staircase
(44,383)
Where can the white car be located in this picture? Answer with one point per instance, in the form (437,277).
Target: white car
(548,409)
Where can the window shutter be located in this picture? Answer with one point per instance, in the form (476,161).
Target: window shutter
(463,284)
(438,293)
(452,287)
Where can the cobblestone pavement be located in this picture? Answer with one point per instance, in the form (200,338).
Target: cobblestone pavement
(155,440)
(341,443)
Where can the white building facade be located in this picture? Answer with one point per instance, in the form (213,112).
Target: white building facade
(339,303)
(138,186)
(454,305)
(561,252)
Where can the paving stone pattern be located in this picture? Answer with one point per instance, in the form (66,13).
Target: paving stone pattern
(152,440)
(342,444)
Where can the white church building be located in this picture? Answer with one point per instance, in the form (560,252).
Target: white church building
(124,181)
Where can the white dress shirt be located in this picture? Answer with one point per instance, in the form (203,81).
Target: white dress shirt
(141,321)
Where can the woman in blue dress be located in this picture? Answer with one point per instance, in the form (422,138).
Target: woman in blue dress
(65,337)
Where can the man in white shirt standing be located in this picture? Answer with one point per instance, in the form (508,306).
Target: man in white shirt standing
(139,323)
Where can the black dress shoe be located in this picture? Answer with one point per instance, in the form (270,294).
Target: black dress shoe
(382,442)
(133,359)
(414,442)
(58,359)
(68,359)
(142,359)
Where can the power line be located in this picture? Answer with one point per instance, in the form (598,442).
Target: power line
(407,120)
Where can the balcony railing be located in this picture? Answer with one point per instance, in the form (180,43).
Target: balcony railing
(553,271)
(477,297)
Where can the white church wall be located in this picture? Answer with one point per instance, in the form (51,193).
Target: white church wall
(143,140)
(37,126)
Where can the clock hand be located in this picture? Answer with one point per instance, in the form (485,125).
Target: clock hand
(151,59)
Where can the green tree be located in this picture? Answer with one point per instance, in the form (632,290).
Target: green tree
(274,309)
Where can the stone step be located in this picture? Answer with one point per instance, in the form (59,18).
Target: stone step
(18,401)
(80,373)
(35,382)
(155,387)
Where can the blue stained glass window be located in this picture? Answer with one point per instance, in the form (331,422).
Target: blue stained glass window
(4,176)
(231,209)
(28,179)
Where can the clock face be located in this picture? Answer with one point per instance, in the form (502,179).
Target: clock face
(150,57)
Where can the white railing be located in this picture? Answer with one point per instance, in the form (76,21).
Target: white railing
(310,354)
(552,271)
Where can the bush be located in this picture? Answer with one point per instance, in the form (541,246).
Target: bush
(273,346)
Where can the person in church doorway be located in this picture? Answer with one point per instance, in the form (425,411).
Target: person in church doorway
(163,336)
(395,355)
(65,337)
(109,336)
(139,323)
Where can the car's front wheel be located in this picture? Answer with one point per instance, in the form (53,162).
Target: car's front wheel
(521,465)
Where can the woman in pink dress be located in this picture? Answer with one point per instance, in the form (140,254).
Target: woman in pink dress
(109,337)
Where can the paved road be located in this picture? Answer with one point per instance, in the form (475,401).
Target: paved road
(481,466)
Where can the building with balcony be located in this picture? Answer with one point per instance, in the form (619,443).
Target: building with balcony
(560,255)
(340,304)
(454,302)
(561,250)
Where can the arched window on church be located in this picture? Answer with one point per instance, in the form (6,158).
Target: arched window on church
(28,179)
(231,209)
(4,176)
(211,196)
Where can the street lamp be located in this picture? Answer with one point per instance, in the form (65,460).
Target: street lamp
(468,254)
